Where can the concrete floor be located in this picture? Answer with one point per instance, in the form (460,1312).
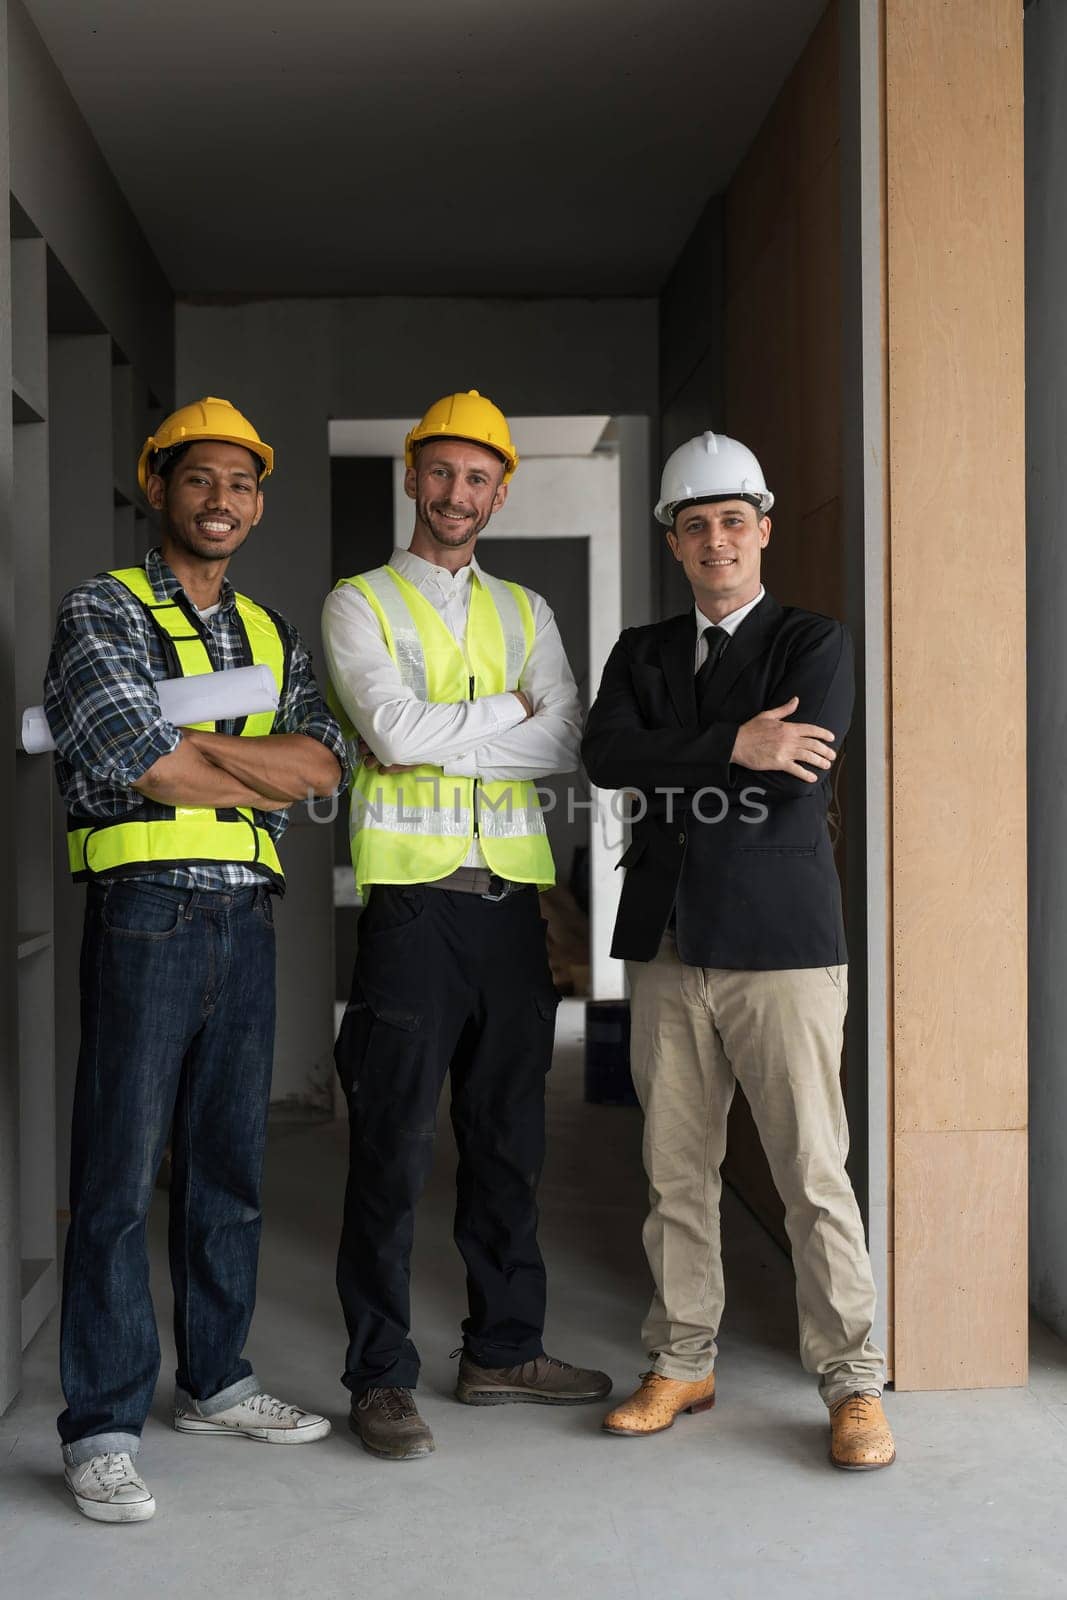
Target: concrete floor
(526,1503)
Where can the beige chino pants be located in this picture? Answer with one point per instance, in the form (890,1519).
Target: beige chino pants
(695,1032)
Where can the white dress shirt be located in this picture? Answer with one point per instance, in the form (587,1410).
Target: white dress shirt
(729,624)
(488,738)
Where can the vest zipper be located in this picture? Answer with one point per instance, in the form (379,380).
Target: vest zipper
(474,790)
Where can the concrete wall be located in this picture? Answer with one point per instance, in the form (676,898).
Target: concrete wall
(1046,510)
(294,364)
(10,1244)
(62,181)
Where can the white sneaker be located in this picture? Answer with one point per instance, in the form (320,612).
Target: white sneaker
(109,1489)
(260,1417)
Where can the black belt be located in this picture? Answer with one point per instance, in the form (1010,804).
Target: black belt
(476,880)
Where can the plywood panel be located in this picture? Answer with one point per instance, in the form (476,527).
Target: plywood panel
(960,1260)
(955,307)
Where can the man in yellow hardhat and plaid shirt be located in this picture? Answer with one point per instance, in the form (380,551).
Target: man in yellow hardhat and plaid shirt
(175,832)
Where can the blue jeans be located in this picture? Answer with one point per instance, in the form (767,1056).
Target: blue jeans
(177,996)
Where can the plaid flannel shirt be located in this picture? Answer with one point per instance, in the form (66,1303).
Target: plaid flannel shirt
(102,707)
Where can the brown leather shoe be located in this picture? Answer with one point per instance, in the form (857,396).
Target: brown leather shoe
(860,1440)
(387,1423)
(544,1381)
(656,1404)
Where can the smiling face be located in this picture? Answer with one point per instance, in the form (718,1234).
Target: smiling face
(456,487)
(719,544)
(209,502)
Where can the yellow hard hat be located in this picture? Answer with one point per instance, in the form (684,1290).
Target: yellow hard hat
(465,416)
(209,418)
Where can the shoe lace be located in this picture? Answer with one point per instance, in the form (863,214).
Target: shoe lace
(395,1404)
(528,1370)
(539,1364)
(114,1470)
(855,1407)
(265,1405)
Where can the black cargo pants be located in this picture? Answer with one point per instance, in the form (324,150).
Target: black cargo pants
(445,982)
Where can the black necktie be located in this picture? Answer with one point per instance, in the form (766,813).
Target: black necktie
(717,639)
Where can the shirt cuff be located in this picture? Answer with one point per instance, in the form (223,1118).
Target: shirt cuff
(464,766)
(329,734)
(142,752)
(507,708)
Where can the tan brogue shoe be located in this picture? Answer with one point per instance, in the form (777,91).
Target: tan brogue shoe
(657,1403)
(860,1439)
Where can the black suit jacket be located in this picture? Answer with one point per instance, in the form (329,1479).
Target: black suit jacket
(744,856)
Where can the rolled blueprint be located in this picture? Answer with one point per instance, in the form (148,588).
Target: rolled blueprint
(202,697)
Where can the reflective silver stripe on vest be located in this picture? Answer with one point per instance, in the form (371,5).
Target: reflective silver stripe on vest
(444,822)
(508,822)
(511,621)
(409,653)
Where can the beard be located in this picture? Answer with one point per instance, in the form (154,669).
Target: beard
(449,536)
(202,546)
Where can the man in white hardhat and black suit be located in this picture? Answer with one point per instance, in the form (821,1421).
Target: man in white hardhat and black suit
(726,721)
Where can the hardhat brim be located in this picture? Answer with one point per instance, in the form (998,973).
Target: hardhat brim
(152,447)
(667,510)
(419,437)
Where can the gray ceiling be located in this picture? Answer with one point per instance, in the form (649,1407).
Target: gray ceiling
(404,147)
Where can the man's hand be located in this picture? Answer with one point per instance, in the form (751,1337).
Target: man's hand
(768,743)
(372,764)
(525,702)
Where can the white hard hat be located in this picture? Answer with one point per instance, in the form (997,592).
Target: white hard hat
(711,467)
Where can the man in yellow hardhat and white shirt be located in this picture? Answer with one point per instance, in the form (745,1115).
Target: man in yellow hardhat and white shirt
(459,689)
(174,832)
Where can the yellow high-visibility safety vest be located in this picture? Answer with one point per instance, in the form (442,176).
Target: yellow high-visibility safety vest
(417,826)
(155,836)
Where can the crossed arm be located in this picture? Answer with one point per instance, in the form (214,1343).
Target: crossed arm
(268,772)
(103,710)
(621,751)
(520,734)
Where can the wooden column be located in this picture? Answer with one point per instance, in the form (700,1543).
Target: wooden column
(957,713)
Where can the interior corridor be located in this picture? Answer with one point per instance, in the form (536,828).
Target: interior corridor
(526,1502)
